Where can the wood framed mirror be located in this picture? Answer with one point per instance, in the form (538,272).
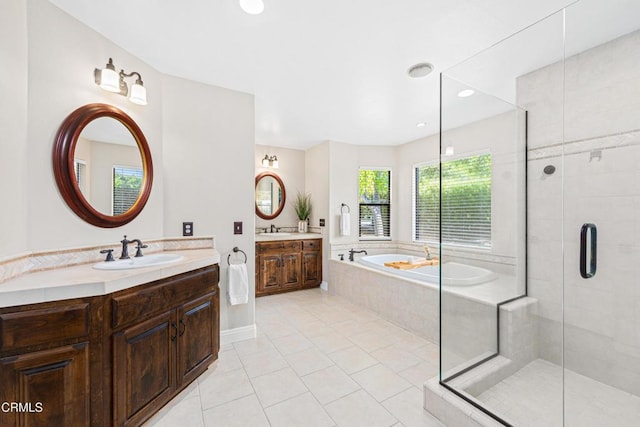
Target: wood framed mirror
(102,165)
(270,195)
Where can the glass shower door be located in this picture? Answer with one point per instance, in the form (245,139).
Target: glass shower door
(601,219)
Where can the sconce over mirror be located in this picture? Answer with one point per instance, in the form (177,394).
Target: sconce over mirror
(270,195)
(102,165)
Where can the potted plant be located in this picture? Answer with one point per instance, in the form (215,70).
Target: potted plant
(302,206)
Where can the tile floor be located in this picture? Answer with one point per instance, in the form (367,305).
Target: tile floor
(318,360)
(533,397)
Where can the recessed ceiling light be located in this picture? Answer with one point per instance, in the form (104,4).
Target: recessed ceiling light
(252,7)
(465,93)
(421,124)
(420,70)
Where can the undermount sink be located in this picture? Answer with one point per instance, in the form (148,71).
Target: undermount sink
(276,234)
(139,262)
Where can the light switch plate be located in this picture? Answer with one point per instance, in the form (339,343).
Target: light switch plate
(237,227)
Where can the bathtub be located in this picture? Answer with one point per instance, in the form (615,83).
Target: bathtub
(454,274)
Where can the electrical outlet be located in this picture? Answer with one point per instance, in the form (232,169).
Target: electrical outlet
(321,222)
(187,228)
(237,227)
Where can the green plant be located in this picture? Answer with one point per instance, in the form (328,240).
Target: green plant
(302,206)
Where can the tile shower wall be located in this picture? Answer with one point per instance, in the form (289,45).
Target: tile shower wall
(601,157)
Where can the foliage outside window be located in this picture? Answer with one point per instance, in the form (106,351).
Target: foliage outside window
(466,201)
(127,182)
(374,203)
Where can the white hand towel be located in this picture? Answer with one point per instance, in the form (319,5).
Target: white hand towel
(345,223)
(238,284)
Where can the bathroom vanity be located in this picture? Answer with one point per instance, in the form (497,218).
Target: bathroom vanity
(114,358)
(288,264)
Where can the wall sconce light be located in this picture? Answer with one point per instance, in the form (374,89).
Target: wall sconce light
(270,161)
(109,79)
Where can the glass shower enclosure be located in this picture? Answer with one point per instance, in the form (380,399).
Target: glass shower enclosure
(540,221)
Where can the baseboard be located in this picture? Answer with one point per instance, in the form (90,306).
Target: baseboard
(324,286)
(229,336)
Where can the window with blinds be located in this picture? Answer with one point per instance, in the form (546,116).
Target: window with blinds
(374,220)
(127,182)
(80,169)
(466,201)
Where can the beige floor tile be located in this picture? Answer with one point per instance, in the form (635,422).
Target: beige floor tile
(257,364)
(183,412)
(420,373)
(330,342)
(373,340)
(396,359)
(352,359)
(307,361)
(303,410)
(255,345)
(244,412)
(429,352)
(276,328)
(381,382)
(218,389)
(313,328)
(227,361)
(292,343)
(359,409)
(330,384)
(278,386)
(407,407)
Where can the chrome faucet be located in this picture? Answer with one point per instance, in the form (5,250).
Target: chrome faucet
(125,247)
(352,251)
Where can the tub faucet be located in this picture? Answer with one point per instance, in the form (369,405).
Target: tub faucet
(352,251)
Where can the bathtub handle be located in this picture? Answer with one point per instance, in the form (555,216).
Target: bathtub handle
(588,240)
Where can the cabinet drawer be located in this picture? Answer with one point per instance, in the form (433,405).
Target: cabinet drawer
(311,245)
(134,306)
(48,325)
(279,247)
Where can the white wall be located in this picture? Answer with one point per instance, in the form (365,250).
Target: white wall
(62,55)
(317,181)
(209,174)
(13,122)
(292,172)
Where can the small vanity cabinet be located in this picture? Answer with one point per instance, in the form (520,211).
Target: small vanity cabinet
(107,360)
(288,265)
(165,334)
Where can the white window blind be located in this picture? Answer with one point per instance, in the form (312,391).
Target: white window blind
(80,169)
(375,203)
(127,182)
(466,201)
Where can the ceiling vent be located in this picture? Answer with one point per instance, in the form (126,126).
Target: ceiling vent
(422,69)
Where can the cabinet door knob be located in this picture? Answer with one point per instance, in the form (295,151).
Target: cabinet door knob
(184,327)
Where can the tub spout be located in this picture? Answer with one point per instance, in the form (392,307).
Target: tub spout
(352,251)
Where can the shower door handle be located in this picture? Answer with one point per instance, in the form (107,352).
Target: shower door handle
(588,246)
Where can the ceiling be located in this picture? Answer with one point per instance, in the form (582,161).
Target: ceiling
(319,70)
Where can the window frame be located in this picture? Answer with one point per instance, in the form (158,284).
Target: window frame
(377,238)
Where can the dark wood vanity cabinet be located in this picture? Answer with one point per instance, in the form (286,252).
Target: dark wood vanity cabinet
(108,360)
(288,265)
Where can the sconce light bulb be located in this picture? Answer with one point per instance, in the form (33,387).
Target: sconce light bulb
(110,80)
(138,94)
(265,161)
(274,161)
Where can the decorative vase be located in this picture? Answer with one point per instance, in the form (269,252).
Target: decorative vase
(302,226)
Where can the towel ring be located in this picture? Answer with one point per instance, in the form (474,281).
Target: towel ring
(235,249)
(345,206)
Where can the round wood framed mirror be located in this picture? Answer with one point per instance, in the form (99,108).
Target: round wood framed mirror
(270,195)
(102,165)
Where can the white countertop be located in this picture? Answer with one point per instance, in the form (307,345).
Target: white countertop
(268,237)
(83,280)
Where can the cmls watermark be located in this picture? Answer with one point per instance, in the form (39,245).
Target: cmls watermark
(21,407)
